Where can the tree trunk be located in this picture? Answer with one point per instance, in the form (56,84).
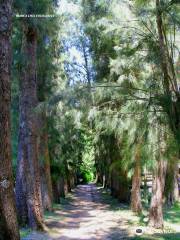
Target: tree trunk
(68,177)
(8,218)
(56,193)
(46,184)
(62,187)
(68,183)
(119,185)
(72,180)
(28,190)
(65,186)
(156,207)
(104,181)
(176,191)
(136,205)
(59,189)
(119,180)
(171,185)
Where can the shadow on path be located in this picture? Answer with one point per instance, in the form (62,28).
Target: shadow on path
(86,217)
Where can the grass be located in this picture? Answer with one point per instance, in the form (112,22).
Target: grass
(52,216)
(171,225)
(172,215)
(61,206)
(24,232)
(114,205)
(48,216)
(163,236)
(171,219)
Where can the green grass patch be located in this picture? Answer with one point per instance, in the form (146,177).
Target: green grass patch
(163,236)
(172,215)
(171,218)
(114,204)
(52,216)
(58,207)
(24,232)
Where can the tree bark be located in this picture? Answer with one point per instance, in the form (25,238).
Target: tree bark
(28,189)
(46,184)
(8,218)
(68,177)
(62,187)
(136,205)
(171,184)
(119,185)
(56,192)
(59,189)
(156,207)
(176,190)
(119,181)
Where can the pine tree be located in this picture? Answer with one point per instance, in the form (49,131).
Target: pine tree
(28,182)
(8,217)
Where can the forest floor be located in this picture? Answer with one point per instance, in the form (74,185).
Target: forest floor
(89,213)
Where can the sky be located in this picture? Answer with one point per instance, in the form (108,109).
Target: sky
(67,7)
(74,54)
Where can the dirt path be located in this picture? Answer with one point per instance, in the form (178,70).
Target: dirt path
(87,217)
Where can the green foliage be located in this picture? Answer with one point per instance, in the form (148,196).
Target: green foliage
(87,168)
(25,232)
(86,175)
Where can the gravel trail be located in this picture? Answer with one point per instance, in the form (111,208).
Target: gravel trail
(87,217)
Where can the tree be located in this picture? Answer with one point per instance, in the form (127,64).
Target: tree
(8,217)
(156,206)
(35,82)
(28,191)
(44,158)
(169,80)
(136,204)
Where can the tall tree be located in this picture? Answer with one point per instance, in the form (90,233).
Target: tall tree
(8,218)
(44,74)
(46,184)
(136,204)
(156,206)
(169,79)
(28,191)
(33,136)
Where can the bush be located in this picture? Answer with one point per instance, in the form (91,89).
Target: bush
(87,176)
